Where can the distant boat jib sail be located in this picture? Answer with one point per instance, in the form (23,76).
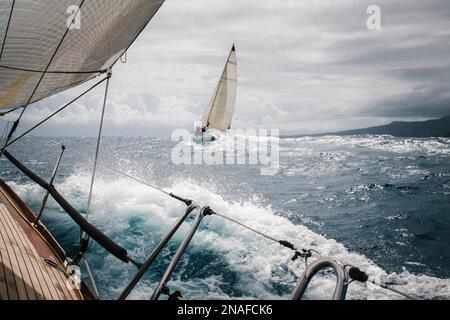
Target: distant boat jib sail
(219,114)
(49,46)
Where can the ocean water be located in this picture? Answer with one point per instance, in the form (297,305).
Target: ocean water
(377,202)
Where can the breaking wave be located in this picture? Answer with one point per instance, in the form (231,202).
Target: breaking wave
(434,146)
(224,261)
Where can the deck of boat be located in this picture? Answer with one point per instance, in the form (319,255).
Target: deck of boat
(31,261)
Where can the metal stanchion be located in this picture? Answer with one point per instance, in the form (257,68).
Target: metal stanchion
(47,193)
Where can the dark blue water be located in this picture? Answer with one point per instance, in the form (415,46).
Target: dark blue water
(378,202)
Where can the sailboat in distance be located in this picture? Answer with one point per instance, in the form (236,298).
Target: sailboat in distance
(219,114)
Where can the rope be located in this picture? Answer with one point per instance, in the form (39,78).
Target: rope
(52,72)
(83,237)
(266,236)
(124,57)
(138,180)
(91,276)
(248,228)
(271,238)
(386,287)
(290,246)
(96,161)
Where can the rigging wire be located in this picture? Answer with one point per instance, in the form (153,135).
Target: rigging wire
(25,107)
(52,115)
(91,276)
(247,227)
(53,72)
(386,287)
(172,195)
(138,180)
(105,166)
(267,236)
(383,286)
(211,212)
(99,138)
(84,238)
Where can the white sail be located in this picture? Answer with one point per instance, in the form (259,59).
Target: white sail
(40,56)
(219,114)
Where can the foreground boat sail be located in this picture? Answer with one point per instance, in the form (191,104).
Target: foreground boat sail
(37,65)
(219,114)
(47,47)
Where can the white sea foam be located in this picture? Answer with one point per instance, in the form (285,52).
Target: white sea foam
(258,263)
(436,146)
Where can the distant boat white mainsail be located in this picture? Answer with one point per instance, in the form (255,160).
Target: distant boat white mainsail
(219,114)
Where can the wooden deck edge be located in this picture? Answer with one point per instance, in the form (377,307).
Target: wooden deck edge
(28,216)
(31,217)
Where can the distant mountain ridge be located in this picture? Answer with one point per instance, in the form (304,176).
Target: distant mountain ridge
(422,129)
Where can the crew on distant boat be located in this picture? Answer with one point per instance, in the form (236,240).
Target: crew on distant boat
(219,114)
(203,135)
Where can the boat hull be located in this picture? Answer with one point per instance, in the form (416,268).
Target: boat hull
(206,137)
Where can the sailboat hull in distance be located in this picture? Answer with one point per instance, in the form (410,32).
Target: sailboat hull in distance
(205,138)
(220,111)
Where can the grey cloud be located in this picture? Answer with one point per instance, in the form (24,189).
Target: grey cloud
(303,65)
(422,103)
(440,75)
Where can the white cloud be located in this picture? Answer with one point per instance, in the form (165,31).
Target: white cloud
(303,65)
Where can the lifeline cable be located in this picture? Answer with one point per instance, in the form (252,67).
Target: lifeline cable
(386,287)
(211,212)
(105,166)
(97,150)
(292,247)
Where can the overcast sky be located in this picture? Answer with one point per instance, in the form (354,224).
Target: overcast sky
(305,66)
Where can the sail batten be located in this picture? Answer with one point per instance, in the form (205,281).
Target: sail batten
(32,48)
(219,114)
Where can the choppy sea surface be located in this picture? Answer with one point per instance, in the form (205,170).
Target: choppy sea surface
(377,202)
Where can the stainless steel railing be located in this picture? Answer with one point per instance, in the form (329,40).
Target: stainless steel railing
(342,278)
